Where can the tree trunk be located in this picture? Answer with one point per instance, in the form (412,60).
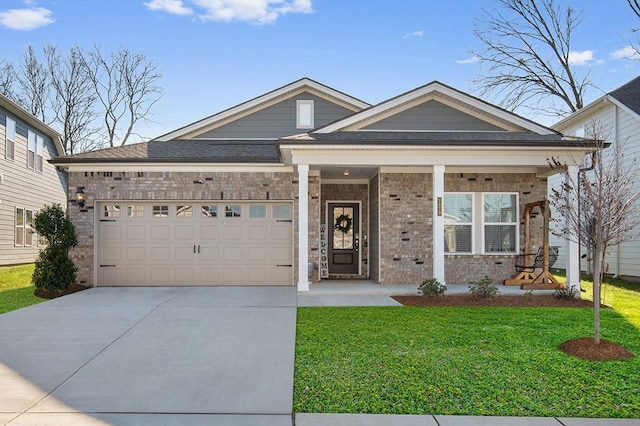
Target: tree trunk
(597,274)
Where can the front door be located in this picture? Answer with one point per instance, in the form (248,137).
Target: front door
(344,238)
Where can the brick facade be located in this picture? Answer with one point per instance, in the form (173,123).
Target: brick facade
(406,203)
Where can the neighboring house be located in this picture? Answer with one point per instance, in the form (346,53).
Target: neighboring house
(28,181)
(430,183)
(617,114)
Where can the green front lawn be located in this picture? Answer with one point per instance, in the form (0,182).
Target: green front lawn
(467,361)
(16,290)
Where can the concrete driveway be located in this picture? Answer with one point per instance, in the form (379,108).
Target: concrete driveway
(151,356)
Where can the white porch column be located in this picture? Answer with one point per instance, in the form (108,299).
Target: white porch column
(573,252)
(438,223)
(303,226)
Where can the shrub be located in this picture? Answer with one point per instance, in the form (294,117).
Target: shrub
(565,293)
(54,270)
(483,288)
(432,287)
(528,295)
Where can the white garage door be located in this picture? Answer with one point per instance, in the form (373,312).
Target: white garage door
(195,243)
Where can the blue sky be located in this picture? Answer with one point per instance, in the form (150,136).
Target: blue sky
(215,54)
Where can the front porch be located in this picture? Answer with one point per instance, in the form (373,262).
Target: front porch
(369,293)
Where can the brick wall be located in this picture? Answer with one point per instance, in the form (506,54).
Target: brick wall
(181,186)
(406,205)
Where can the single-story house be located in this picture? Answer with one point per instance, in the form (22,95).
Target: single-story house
(430,183)
(28,182)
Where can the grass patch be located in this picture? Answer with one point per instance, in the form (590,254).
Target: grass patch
(16,290)
(465,361)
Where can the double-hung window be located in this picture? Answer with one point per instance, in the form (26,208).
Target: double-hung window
(477,223)
(10,139)
(19,232)
(35,148)
(458,223)
(500,222)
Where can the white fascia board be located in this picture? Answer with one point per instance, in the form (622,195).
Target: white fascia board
(444,90)
(427,156)
(177,167)
(579,115)
(263,101)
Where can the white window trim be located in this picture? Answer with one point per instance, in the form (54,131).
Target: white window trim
(477,225)
(472,223)
(8,140)
(300,118)
(515,222)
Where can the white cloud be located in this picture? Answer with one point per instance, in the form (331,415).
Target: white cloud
(175,7)
(580,58)
(471,60)
(257,11)
(415,34)
(26,19)
(626,52)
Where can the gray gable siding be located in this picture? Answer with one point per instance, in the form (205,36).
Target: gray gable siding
(25,188)
(432,115)
(278,120)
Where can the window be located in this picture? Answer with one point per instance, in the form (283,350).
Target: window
(304,114)
(39,152)
(232,211)
(184,211)
(10,139)
(111,211)
(28,228)
(135,210)
(31,146)
(19,232)
(458,223)
(281,212)
(500,223)
(35,147)
(209,211)
(160,211)
(257,211)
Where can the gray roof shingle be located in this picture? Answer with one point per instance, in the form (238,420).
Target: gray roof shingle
(211,151)
(629,94)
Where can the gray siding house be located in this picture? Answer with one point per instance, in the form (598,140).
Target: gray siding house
(617,115)
(430,183)
(28,181)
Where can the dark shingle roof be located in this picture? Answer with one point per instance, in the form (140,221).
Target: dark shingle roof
(433,138)
(211,151)
(629,94)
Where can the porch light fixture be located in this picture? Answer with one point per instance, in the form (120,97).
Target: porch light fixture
(346,173)
(80,196)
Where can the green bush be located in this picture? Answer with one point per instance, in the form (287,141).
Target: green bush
(54,270)
(483,288)
(432,287)
(565,293)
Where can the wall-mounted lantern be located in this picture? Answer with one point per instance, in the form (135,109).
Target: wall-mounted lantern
(80,196)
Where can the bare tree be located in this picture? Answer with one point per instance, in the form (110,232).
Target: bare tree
(125,84)
(7,79)
(608,211)
(74,99)
(525,57)
(33,86)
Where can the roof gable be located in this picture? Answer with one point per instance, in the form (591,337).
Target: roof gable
(480,115)
(202,128)
(629,95)
(32,121)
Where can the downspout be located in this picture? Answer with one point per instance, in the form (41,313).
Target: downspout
(617,157)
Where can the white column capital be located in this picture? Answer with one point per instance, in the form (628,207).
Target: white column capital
(303,168)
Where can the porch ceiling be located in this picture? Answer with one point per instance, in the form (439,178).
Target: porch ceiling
(332,172)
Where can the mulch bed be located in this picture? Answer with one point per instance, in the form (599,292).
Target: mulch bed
(583,347)
(52,294)
(537,301)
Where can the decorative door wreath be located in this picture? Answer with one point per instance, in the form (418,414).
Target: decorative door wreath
(343,223)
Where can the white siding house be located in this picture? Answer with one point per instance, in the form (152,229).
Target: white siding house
(28,181)
(617,114)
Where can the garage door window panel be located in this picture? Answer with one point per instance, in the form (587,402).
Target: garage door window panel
(233,211)
(160,211)
(281,212)
(111,210)
(257,212)
(184,211)
(209,211)
(135,210)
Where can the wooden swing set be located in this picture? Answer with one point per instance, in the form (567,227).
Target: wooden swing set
(528,264)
